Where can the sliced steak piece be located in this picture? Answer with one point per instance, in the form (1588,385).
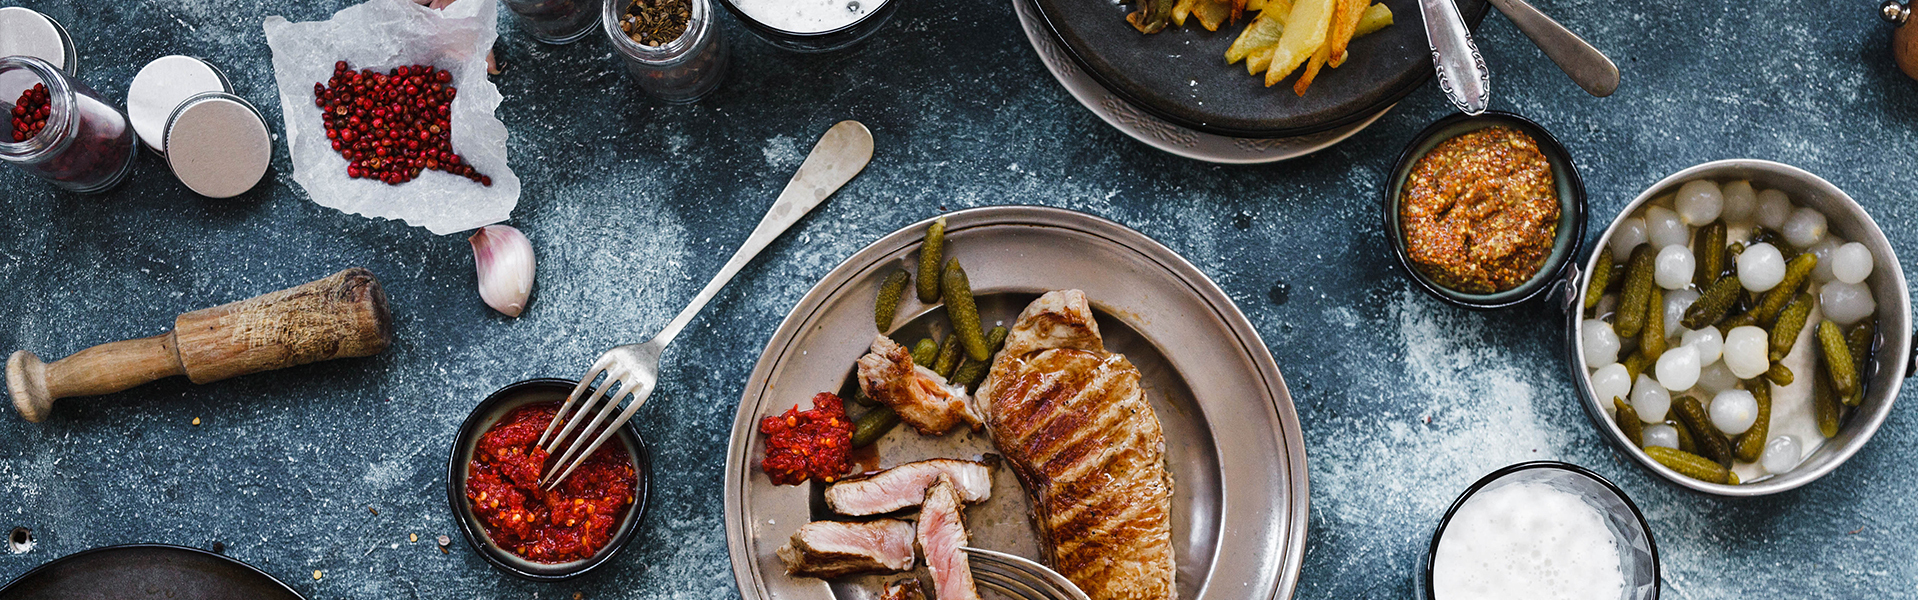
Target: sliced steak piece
(827,549)
(942,532)
(904,589)
(923,399)
(1074,424)
(905,486)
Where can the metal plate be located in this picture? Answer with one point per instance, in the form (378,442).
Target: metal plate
(1158,133)
(144,571)
(1232,437)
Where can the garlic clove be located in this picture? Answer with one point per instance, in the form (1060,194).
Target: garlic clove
(504,259)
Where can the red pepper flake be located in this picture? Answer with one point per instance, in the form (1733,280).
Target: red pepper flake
(811,443)
(569,523)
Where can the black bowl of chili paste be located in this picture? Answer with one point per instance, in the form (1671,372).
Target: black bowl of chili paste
(1567,237)
(542,536)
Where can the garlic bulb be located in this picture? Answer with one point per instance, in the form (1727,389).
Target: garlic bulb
(505,261)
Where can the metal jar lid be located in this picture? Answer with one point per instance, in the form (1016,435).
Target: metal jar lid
(26,32)
(161,87)
(219,144)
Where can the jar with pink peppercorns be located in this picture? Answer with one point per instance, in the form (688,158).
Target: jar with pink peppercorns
(60,130)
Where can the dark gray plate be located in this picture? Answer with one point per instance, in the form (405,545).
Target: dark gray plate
(1180,75)
(145,571)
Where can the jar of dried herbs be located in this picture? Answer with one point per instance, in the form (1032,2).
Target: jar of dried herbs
(671,47)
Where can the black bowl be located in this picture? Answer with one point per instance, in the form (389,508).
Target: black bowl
(1621,514)
(823,41)
(1571,203)
(483,417)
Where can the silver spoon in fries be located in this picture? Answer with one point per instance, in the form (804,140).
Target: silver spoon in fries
(632,370)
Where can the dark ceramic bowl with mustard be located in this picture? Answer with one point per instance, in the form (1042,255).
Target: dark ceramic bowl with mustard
(1566,235)
(499,409)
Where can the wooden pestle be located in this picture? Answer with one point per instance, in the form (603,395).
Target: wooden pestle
(342,316)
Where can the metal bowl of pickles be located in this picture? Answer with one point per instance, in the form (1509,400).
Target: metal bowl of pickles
(1741,329)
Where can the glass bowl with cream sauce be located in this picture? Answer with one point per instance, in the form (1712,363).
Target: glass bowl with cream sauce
(811,25)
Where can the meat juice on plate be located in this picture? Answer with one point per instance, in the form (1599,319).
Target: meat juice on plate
(1527,540)
(807,16)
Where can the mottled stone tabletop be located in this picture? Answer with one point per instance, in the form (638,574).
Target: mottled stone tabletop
(632,204)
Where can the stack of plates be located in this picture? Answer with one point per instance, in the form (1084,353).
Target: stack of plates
(1174,91)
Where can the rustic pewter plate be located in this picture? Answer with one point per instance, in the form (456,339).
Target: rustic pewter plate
(1180,74)
(1232,437)
(141,571)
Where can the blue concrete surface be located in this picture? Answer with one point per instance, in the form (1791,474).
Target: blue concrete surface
(631,205)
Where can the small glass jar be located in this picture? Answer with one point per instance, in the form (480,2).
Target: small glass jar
(681,71)
(87,145)
(554,21)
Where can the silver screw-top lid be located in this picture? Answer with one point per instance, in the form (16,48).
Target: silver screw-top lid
(26,32)
(160,87)
(218,144)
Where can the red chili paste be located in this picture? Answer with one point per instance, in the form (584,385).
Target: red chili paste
(811,443)
(569,523)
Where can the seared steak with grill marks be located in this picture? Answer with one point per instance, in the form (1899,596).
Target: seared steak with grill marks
(905,485)
(942,532)
(826,549)
(1077,429)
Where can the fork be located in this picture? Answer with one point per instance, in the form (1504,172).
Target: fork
(632,370)
(1019,577)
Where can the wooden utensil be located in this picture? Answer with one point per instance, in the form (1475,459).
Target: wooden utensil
(1904,39)
(342,316)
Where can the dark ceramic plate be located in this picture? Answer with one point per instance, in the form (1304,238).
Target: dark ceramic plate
(1180,74)
(145,571)
(490,411)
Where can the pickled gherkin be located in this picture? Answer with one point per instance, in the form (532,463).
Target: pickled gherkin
(1751,443)
(1824,406)
(1692,465)
(1635,364)
(925,352)
(1708,249)
(1628,422)
(1617,278)
(1726,325)
(931,252)
(1858,341)
(1838,363)
(873,425)
(1631,299)
(957,291)
(1685,441)
(1651,341)
(1601,278)
(1711,306)
(948,358)
(887,306)
(1711,442)
(1784,332)
(1779,374)
(972,372)
(1796,271)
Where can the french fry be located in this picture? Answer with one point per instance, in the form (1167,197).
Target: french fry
(1345,23)
(1304,34)
(1212,13)
(1376,17)
(1180,10)
(1258,60)
(1255,5)
(1311,70)
(1262,33)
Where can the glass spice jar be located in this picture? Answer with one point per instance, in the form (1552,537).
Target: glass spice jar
(80,142)
(554,21)
(681,71)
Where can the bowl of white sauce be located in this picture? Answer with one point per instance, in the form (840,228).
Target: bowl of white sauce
(1541,530)
(811,25)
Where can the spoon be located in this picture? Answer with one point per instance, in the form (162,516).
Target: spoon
(1461,70)
(1588,67)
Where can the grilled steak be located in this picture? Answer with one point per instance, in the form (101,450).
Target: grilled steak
(905,485)
(1073,422)
(942,532)
(922,398)
(826,549)
(904,589)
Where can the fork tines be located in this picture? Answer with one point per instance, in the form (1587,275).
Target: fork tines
(1019,577)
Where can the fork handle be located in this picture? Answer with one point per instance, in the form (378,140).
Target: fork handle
(840,154)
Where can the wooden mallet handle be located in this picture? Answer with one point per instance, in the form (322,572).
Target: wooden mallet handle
(344,315)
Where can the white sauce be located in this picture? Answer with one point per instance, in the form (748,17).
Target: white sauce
(1527,541)
(807,16)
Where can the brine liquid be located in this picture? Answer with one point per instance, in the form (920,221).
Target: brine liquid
(1527,541)
(807,16)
